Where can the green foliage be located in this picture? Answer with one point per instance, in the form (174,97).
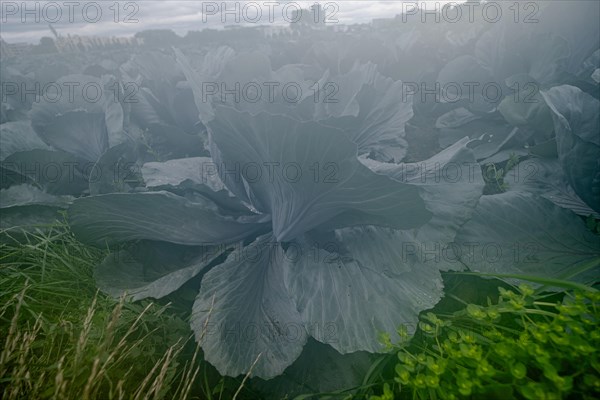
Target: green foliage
(493,175)
(524,346)
(61,339)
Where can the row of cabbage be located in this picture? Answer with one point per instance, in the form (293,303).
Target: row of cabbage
(310,215)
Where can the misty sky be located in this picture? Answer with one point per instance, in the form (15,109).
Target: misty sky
(77,17)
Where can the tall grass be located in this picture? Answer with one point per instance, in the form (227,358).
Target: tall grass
(62,339)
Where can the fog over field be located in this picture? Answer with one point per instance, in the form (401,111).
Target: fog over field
(27,21)
(378,199)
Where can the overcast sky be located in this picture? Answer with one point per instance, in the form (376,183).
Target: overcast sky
(125,18)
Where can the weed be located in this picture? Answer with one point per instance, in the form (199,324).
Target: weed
(525,346)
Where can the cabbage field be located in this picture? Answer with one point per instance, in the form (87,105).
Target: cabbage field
(404,208)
